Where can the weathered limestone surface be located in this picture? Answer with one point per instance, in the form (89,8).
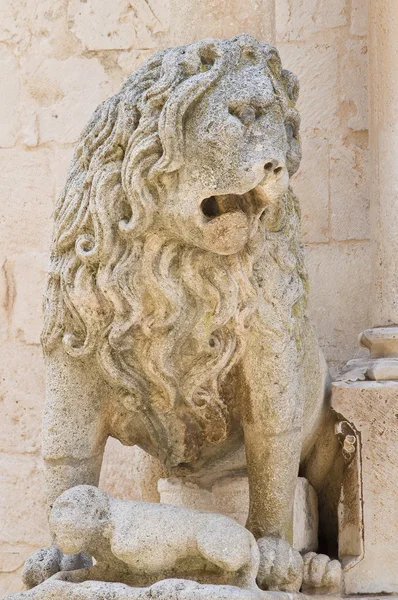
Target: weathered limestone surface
(9,128)
(367,392)
(332,104)
(300,20)
(372,409)
(384,136)
(315,189)
(382,363)
(34,171)
(237,228)
(163,590)
(190,21)
(350,202)
(353,285)
(176,320)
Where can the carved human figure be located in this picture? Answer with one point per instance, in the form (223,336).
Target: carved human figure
(139,543)
(176,306)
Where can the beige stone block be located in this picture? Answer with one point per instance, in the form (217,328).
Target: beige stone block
(152,22)
(29,272)
(300,19)
(359,17)
(102,25)
(132,59)
(340,275)
(118,473)
(184,493)
(305,518)
(349,190)
(118,25)
(138,477)
(60,162)
(29,129)
(372,409)
(311,185)
(11,582)
(26,189)
(147,472)
(354,82)
(37,28)
(51,33)
(316,66)
(7,293)
(8,20)
(21,396)
(22,503)
(65,93)
(230,497)
(11,558)
(194,20)
(9,99)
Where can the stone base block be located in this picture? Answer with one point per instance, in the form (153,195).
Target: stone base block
(169,589)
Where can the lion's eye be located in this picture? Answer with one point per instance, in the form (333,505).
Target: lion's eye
(289,131)
(207,57)
(245,113)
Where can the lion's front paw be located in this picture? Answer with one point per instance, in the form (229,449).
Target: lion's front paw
(44,563)
(321,574)
(281,566)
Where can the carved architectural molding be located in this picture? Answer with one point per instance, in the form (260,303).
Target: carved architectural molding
(382,362)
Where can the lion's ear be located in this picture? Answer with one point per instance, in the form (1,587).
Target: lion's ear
(274,63)
(291,84)
(190,63)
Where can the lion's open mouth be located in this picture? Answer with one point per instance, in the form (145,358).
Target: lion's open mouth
(231,219)
(252,204)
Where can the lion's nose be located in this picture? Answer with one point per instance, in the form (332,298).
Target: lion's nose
(274,166)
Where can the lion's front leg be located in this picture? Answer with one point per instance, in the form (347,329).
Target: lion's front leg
(75,424)
(74,436)
(272,463)
(272,422)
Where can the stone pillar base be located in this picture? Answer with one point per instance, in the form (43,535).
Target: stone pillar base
(382,363)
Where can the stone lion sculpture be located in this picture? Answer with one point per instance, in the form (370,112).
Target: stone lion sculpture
(176,308)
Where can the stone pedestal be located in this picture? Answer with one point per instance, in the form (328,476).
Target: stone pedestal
(230,497)
(382,362)
(369,503)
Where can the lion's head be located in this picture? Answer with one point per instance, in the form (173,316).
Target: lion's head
(173,184)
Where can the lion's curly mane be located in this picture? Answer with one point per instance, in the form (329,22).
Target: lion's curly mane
(124,290)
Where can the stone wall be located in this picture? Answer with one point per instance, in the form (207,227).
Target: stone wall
(58,60)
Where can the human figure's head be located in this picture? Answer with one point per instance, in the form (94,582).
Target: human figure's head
(78,518)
